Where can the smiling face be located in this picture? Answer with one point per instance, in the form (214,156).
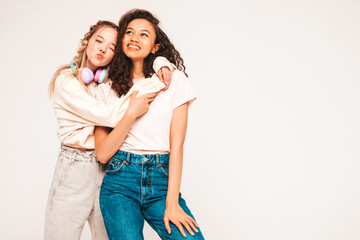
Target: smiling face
(101,47)
(139,40)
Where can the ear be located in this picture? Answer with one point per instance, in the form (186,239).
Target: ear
(155,48)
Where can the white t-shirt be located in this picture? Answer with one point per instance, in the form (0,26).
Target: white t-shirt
(150,133)
(78,113)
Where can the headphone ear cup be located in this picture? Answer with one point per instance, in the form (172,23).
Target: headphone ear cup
(86,75)
(100,75)
(72,65)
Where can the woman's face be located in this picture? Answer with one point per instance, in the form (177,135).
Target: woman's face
(101,47)
(139,40)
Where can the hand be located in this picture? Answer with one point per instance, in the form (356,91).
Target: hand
(165,75)
(177,216)
(138,106)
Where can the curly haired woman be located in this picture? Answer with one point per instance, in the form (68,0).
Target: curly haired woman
(74,194)
(144,174)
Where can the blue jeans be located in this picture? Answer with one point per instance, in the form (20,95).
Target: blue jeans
(134,189)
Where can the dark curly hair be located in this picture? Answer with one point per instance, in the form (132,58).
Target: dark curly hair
(120,70)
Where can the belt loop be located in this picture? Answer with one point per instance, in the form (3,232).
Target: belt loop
(75,152)
(157,158)
(128,155)
(93,157)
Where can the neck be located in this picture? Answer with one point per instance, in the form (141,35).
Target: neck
(137,71)
(89,65)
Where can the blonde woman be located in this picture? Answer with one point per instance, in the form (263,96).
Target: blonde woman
(74,194)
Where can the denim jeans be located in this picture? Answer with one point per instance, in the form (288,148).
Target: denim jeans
(134,189)
(74,197)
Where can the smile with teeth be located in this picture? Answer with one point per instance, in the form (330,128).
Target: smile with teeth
(132,46)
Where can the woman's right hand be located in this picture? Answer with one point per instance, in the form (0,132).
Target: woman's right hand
(175,214)
(138,106)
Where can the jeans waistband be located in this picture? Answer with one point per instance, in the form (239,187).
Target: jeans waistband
(144,158)
(71,151)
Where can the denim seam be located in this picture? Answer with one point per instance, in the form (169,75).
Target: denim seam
(149,181)
(141,183)
(151,224)
(105,217)
(53,188)
(114,158)
(162,170)
(67,173)
(116,170)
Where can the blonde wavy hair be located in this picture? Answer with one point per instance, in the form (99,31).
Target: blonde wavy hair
(81,57)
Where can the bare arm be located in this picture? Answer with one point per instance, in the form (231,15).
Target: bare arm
(177,139)
(174,212)
(107,142)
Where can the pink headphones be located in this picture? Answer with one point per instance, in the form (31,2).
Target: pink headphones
(87,75)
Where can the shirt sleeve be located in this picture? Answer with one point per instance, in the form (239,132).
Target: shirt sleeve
(182,90)
(101,92)
(72,96)
(160,62)
(105,94)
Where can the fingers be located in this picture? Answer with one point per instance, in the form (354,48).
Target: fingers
(181,229)
(187,226)
(165,88)
(167,225)
(133,95)
(164,75)
(149,97)
(187,222)
(160,74)
(192,223)
(167,76)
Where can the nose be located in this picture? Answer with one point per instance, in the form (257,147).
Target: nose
(134,38)
(102,48)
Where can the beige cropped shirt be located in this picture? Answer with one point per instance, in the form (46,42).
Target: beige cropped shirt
(78,113)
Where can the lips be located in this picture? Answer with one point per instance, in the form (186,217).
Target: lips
(133,46)
(100,56)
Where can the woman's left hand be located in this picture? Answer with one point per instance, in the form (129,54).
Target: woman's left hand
(164,75)
(179,218)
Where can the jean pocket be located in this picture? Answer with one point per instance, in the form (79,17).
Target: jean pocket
(115,166)
(164,168)
(64,167)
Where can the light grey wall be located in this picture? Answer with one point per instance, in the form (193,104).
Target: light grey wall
(272,149)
